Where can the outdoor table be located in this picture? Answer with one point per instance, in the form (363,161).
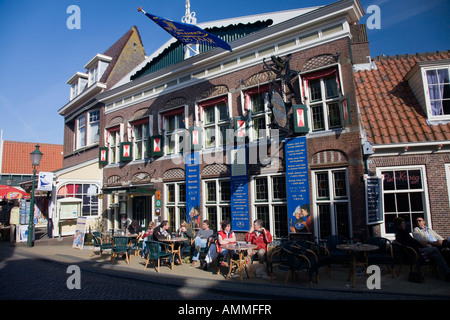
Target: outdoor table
(240,263)
(171,242)
(353,250)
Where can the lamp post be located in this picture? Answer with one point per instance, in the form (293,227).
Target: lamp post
(36,156)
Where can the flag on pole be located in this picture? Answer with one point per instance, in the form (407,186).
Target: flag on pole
(188,33)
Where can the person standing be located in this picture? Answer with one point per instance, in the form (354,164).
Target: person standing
(14,219)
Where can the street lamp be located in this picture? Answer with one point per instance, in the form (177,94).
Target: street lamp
(36,156)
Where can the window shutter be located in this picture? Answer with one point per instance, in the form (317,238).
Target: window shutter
(157,146)
(103,156)
(240,128)
(125,151)
(345,105)
(196,138)
(300,112)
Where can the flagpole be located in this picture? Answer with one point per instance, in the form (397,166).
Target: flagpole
(140,10)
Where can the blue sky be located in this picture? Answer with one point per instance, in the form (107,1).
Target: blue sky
(39,53)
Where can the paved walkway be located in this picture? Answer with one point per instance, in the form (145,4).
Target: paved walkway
(334,287)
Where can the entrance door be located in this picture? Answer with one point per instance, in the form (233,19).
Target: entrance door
(142,210)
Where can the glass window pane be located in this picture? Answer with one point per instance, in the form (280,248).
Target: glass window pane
(225,191)
(226,213)
(170,122)
(322,186)
(331,87)
(210,137)
(315,90)
(416,199)
(261,189)
(324,220)
(209,115)
(415,179)
(257,103)
(335,115)
(171,193)
(402,202)
(389,202)
(182,192)
(401,180)
(223,111)
(340,185)
(343,227)
(212,217)
(318,118)
(281,224)
(279,188)
(262,212)
(388,182)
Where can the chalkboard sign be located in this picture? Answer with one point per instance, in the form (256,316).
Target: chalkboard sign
(374,199)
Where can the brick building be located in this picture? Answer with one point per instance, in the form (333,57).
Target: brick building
(405,113)
(175,105)
(79,181)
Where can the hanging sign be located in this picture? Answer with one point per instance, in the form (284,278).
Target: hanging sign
(45,182)
(297,186)
(239,190)
(374,199)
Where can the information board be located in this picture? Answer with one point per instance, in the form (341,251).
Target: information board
(192,173)
(297,186)
(239,190)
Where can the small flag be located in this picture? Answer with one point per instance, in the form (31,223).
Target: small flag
(188,33)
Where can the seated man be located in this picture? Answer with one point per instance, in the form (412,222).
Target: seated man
(201,240)
(161,232)
(402,236)
(429,237)
(260,237)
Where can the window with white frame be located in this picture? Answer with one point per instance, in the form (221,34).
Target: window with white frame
(404,195)
(94,127)
(258,102)
(322,98)
(438,92)
(175,204)
(113,136)
(270,204)
(217,195)
(81,131)
(332,202)
(141,133)
(87,192)
(216,122)
(174,130)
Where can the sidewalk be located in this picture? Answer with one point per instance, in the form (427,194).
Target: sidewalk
(334,287)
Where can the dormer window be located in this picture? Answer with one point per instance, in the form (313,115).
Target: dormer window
(430,83)
(77,84)
(96,67)
(439,91)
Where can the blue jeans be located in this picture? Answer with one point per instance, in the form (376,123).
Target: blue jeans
(198,242)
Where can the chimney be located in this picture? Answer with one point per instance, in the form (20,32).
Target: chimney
(359,44)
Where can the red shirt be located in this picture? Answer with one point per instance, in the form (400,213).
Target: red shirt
(223,235)
(261,239)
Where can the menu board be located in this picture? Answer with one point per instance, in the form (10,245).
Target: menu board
(374,199)
(297,186)
(239,190)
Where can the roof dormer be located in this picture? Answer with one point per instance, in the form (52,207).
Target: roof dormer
(77,84)
(96,67)
(429,81)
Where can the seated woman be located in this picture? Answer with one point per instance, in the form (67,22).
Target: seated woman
(147,236)
(185,231)
(225,236)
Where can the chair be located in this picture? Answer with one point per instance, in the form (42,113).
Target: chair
(99,243)
(158,251)
(384,255)
(121,246)
(336,255)
(297,261)
(318,253)
(410,256)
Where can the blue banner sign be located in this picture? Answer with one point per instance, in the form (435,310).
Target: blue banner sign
(239,190)
(192,173)
(297,186)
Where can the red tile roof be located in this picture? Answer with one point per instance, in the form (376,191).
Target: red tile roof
(389,111)
(16,157)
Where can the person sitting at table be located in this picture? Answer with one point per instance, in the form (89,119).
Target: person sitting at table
(134,228)
(260,237)
(201,240)
(225,236)
(161,232)
(403,237)
(147,236)
(185,231)
(428,236)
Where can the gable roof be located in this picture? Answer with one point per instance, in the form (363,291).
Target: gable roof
(16,157)
(390,113)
